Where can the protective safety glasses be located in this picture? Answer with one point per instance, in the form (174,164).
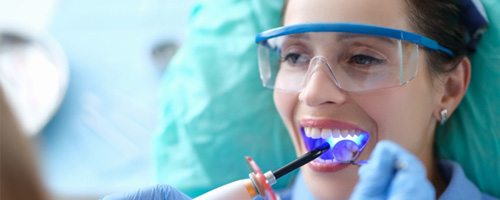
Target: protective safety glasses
(356,57)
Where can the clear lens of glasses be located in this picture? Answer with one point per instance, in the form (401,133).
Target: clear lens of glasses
(354,62)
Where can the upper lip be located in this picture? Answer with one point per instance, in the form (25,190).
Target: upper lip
(329,123)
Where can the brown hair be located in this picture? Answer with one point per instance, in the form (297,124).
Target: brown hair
(19,178)
(440,21)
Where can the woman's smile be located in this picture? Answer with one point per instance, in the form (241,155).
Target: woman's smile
(347,142)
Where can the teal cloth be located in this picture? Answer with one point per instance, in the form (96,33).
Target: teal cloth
(471,136)
(216,110)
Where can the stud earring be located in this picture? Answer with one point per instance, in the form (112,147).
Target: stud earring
(444,116)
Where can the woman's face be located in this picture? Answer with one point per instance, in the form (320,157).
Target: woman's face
(402,114)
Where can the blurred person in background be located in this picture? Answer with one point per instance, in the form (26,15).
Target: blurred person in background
(19,176)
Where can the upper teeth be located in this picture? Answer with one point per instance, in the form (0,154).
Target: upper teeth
(325,133)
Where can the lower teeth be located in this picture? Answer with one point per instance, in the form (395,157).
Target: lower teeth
(325,161)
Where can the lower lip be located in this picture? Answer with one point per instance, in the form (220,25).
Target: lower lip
(324,167)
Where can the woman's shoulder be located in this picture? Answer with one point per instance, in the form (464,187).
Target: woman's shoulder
(459,186)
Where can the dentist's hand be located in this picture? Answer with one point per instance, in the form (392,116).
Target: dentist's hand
(159,192)
(392,173)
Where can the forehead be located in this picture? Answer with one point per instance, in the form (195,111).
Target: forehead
(387,13)
(337,36)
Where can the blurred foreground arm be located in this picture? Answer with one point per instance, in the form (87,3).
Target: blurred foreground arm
(158,192)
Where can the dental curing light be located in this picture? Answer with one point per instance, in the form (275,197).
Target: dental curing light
(259,184)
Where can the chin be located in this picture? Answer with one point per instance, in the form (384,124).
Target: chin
(333,185)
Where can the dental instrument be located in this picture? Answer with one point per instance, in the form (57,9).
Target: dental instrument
(259,184)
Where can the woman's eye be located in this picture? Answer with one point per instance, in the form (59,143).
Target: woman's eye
(295,59)
(365,60)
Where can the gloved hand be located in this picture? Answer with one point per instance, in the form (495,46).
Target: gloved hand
(159,192)
(392,173)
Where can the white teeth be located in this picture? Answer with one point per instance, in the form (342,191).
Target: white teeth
(320,160)
(344,133)
(307,131)
(315,133)
(339,134)
(336,133)
(326,133)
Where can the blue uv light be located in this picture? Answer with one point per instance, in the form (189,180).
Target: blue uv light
(338,145)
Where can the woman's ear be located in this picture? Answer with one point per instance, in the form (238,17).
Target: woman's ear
(455,85)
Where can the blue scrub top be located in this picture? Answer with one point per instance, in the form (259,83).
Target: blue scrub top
(459,187)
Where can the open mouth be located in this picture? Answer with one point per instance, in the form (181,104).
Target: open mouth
(346,144)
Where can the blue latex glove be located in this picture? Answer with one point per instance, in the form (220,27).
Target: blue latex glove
(392,173)
(159,192)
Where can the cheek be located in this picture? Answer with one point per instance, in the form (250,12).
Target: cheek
(286,103)
(402,115)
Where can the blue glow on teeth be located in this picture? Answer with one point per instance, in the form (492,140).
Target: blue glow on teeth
(342,147)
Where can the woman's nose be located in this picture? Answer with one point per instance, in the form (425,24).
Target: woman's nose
(320,87)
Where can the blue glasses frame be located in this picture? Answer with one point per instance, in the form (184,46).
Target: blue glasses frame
(354,28)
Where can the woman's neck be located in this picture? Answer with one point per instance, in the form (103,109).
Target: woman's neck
(433,172)
(437,179)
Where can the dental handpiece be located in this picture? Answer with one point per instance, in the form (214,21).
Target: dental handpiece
(258,183)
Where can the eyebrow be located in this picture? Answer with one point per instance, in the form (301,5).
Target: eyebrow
(300,36)
(347,36)
(340,37)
